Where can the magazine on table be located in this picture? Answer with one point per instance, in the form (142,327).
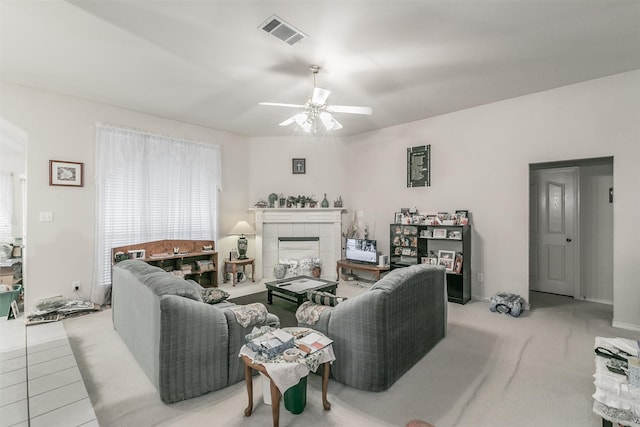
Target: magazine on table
(313,342)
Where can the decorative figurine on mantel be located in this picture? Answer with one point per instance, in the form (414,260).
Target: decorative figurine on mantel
(338,202)
(273,198)
(325,202)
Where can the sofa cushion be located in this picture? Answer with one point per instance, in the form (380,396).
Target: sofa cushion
(324,298)
(163,283)
(213,295)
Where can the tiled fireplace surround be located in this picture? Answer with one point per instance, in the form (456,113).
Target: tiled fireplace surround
(325,223)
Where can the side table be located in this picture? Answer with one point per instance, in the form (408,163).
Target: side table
(295,370)
(232,266)
(375,269)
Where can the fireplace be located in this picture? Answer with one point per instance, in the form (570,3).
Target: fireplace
(274,226)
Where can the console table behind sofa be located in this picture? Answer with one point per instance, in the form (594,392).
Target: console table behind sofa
(191,261)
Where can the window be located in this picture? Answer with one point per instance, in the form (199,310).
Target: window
(6,206)
(151,187)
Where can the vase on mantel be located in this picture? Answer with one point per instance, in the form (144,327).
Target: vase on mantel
(325,202)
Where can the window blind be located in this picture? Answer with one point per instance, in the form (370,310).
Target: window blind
(151,187)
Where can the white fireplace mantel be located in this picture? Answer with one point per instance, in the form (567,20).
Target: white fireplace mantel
(271,223)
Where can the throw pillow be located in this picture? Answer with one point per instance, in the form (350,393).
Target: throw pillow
(213,295)
(324,298)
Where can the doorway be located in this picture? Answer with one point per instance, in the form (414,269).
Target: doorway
(571,228)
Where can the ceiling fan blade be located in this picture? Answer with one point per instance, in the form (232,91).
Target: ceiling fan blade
(352,109)
(319,96)
(280,104)
(299,118)
(288,121)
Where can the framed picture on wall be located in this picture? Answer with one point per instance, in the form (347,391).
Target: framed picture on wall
(67,174)
(298,166)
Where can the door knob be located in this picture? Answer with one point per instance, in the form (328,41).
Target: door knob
(568,239)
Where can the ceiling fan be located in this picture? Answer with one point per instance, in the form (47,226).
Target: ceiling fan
(316,110)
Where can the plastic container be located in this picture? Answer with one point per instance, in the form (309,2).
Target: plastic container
(295,398)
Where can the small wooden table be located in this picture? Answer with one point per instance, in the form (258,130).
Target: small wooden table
(375,269)
(233,264)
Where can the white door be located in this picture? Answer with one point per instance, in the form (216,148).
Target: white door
(553,264)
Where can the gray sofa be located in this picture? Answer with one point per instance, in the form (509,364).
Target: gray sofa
(186,347)
(381,333)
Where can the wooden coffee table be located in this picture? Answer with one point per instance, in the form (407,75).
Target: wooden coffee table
(295,289)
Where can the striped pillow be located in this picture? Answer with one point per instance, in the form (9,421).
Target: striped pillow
(324,298)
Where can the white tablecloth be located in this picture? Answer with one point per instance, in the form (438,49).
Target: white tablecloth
(615,400)
(287,374)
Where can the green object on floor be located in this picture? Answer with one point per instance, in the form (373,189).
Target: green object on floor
(295,398)
(7,297)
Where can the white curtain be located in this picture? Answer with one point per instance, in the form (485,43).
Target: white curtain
(150,187)
(6,206)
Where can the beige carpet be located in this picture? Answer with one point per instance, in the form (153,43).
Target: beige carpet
(490,370)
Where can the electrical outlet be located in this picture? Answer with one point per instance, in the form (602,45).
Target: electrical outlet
(480,277)
(75,286)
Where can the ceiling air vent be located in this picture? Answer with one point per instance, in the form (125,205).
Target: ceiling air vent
(286,32)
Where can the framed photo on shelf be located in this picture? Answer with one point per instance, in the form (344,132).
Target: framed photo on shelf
(68,174)
(398,218)
(429,260)
(457,264)
(137,253)
(455,235)
(440,233)
(447,262)
(447,259)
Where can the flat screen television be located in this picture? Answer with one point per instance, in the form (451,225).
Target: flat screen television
(361,250)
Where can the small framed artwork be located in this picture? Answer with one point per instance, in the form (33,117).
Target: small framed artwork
(67,174)
(440,233)
(298,166)
(137,253)
(398,218)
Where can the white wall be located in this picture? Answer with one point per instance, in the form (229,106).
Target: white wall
(596,233)
(481,160)
(63,128)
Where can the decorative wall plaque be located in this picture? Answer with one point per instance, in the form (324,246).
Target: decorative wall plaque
(419,166)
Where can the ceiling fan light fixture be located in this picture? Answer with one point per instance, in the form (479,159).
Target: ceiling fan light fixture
(327,120)
(300,118)
(315,110)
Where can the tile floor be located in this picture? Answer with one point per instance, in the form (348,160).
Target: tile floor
(54,394)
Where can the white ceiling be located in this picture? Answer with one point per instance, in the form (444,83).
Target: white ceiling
(208,63)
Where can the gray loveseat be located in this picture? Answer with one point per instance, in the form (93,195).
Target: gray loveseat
(186,347)
(381,333)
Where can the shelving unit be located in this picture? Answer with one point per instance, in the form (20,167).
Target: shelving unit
(191,261)
(413,244)
(204,272)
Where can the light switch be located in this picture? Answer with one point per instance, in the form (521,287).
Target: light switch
(46,216)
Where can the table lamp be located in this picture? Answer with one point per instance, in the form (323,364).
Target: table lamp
(241,228)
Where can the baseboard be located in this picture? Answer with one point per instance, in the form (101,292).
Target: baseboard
(623,325)
(599,301)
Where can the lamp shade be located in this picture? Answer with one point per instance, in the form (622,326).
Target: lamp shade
(242,227)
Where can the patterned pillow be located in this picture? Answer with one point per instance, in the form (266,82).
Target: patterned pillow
(213,295)
(324,298)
